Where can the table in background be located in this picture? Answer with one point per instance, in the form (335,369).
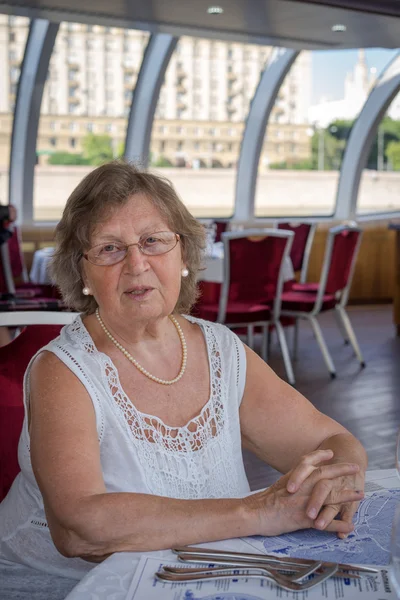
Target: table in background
(113,577)
(40,266)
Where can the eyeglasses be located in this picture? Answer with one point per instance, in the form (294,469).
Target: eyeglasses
(151,244)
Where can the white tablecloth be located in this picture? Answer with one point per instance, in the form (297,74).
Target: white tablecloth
(39,270)
(112,578)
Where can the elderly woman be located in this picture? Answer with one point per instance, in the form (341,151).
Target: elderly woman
(137,413)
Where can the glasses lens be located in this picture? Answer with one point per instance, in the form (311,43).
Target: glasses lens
(107,254)
(158,243)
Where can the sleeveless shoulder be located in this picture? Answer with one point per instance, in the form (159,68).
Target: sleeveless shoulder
(75,348)
(230,346)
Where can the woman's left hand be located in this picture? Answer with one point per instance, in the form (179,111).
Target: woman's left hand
(324,515)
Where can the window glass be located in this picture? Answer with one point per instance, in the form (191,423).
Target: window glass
(203,104)
(380,182)
(85,105)
(13,35)
(308,129)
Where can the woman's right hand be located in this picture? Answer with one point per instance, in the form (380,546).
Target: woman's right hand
(276,511)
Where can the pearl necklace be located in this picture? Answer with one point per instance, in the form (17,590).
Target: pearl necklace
(138,365)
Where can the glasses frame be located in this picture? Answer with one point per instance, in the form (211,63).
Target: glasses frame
(85,255)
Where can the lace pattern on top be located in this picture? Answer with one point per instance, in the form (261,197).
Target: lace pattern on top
(180,462)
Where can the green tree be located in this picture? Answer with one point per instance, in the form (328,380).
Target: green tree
(97,149)
(325,144)
(393,154)
(67,158)
(161,161)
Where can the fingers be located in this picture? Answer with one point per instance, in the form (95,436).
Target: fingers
(328,515)
(306,467)
(347,513)
(324,492)
(340,527)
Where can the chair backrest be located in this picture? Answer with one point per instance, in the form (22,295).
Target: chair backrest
(17,261)
(14,359)
(220,228)
(301,247)
(340,258)
(6,276)
(253,260)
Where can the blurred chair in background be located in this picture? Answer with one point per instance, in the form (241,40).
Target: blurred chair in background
(301,247)
(14,358)
(24,288)
(307,300)
(250,294)
(25,296)
(221,226)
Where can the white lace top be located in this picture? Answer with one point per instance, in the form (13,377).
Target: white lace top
(138,452)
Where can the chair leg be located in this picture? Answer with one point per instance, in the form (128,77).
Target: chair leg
(265,342)
(340,325)
(285,353)
(269,341)
(295,339)
(250,336)
(346,323)
(324,348)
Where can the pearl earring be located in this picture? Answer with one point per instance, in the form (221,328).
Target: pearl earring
(185,272)
(86,291)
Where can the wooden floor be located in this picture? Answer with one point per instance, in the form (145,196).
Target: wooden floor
(366,401)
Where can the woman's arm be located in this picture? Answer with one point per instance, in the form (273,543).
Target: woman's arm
(280,426)
(87,521)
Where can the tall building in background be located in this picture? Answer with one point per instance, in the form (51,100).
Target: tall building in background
(203,103)
(357,87)
(93,71)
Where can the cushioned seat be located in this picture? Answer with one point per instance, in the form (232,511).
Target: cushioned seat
(305,287)
(237,312)
(305,301)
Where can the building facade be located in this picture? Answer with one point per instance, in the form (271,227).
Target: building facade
(203,102)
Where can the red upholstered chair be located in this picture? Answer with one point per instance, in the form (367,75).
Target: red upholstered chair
(26,296)
(332,291)
(23,287)
(301,247)
(220,228)
(253,280)
(14,359)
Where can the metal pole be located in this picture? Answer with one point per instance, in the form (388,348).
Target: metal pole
(39,46)
(381,142)
(253,136)
(321,150)
(145,96)
(362,137)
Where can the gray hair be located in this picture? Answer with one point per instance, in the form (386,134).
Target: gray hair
(93,201)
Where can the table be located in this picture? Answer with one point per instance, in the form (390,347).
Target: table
(113,577)
(39,270)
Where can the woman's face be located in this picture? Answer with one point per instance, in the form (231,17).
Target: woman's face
(140,287)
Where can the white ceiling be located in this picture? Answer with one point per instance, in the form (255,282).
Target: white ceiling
(290,23)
